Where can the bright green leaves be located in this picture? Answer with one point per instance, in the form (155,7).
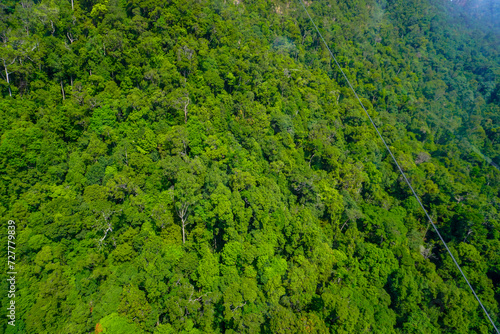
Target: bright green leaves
(123,253)
(213,79)
(208,271)
(146,141)
(103,120)
(135,306)
(76,171)
(232,251)
(242,179)
(95,149)
(385,227)
(332,199)
(302,280)
(376,263)
(216,149)
(176,141)
(99,10)
(20,148)
(221,211)
(419,323)
(115,323)
(44,256)
(271,272)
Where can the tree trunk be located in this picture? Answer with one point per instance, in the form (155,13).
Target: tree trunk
(62,90)
(7,77)
(183,231)
(185,108)
(182,212)
(344,224)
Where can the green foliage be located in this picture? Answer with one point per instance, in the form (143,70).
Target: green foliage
(202,167)
(115,323)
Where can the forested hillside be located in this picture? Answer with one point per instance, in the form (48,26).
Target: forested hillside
(201,166)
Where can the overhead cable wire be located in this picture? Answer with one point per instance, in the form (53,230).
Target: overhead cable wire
(399,167)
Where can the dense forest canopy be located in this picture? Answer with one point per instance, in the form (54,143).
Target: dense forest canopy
(201,166)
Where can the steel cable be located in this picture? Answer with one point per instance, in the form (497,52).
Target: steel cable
(399,167)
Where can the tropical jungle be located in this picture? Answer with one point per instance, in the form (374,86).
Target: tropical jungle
(202,166)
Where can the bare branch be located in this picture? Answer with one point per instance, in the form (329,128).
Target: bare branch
(237,307)
(70,37)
